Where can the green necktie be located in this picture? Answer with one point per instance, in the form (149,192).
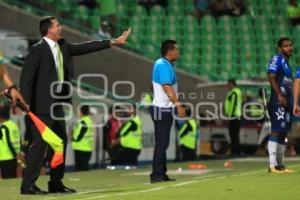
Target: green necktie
(60,64)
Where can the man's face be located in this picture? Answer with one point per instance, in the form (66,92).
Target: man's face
(174,53)
(287,48)
(54,32)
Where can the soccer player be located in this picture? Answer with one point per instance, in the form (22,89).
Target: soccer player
(280,106)
(296,88)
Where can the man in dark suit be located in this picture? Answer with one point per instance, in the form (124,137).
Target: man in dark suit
(50,61)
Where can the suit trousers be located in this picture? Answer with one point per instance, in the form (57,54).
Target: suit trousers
(39,150)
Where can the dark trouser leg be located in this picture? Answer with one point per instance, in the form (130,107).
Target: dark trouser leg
(162,129)
(125,156)
(187,153)
(8,168)
(82,160)
(131,156)
(234,132)
(34,157)
(135,155)
(57,174)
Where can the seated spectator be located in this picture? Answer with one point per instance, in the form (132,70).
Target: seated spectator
(237,7)
(104,30)
(201,8)
(293,11)
(91,4)
(148,4)
(108,10)
(227,7)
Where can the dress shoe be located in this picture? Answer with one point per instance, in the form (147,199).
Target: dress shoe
(158,179)
(167,178)
(33,190)
(59,188)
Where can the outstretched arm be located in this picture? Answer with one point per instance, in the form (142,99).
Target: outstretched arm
(273,82)
(121,40)
(92,46)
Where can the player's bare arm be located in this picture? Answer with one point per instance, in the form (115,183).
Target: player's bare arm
(273,82)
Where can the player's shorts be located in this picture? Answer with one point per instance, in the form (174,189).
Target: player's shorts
(280,118)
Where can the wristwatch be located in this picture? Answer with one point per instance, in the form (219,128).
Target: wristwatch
(10,88)
(113,41)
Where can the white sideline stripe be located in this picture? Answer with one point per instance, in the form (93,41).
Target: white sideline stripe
(124,193)
(142,191)
(91,191)
(184,183)
(178,184)
(263,159)
(77,193)
(97,197)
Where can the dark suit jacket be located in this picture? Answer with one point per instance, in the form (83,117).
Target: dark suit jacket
(39,71)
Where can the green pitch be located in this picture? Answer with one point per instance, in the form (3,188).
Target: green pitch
(247,179)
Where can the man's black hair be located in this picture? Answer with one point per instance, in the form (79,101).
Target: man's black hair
(166,46)
(85,110)
(44,24)
(281,40)
(232,81)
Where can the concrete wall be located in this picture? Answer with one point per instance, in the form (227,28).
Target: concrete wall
(117,64)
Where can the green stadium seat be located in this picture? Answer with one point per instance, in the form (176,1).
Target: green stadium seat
(139,11)
(190,24)
(65,6)
(224,44)
(81,13)
(50,1)
(175,9)
(158,11)
(152,51)
(208,22)
(121,9)
(155,27)
(225,75)
(95,22)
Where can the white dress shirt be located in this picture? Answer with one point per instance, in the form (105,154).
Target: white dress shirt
(53,48)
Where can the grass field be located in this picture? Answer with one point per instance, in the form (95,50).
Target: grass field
(247,179)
